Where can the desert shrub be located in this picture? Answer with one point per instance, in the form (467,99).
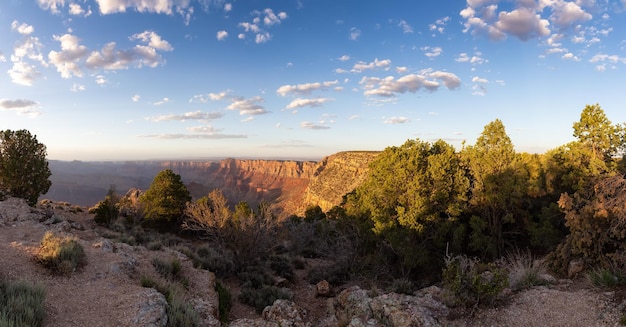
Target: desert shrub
(402,286)
(60,254)
(523,270)
(106,211)
(225,301)
(259,298)
(215,259)
(470,282)
(154,246)
(596,218)
(282,266)
(335,273)
(21,304)
(255,277)
(181,314)
(169,270)
(605,277)
(164,202)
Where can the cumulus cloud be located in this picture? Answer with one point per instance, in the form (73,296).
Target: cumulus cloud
(167,7)
(479,87)
(313,126)
(195,115)
(304,89)
(135,97)
(300,102)
(362,66)
(432,52)
(268,18)
(396,120)
(439,25)
(570,56)
(344,58)
(390,86)
(67,61)
(221,35)
(566,13)
(78,88)
(474,59)
(161,102)
(152,40)
(601,57)
(26,53)
(522,22)
(23,28)
(53,5)
(228,7)
(248,106)
(204,98)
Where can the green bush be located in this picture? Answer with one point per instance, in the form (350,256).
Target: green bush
(471,283)
(21,304)
(259,298)
(181,314)
(402,286)
(282,266)
(225,301)
(61,254)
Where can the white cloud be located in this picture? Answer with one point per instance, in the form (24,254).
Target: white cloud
(228,7)
(300,102)
(389,86)
(250,106)
(570,56)
(268,17)
(78,88)
(136,97)
(67,61)
(221,35)
(402,69)
(152,40)
(161,102)
(271,18)
(262,37)
(396,120)
(361,65)
(23,28)
(479,87)
(355,33)
(601,57)
(195,115)
(313,126)
(23,73)
(566,13)
(406,28)
(167,7)
(432,52)
(344,58)
(476,59)
(101,80)
(206,132)
(52,5)
(523,23)
(439,25)
(304,89)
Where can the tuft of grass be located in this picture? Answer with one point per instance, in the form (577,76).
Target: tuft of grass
(61,254)
(169,270)
(605,278)
(524,271)
(21,304)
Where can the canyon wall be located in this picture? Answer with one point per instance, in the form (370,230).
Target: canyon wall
(289,186)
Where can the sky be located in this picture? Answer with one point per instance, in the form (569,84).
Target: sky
(302,79)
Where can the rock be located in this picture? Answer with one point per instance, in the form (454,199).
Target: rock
(17,210)
(575,267)
(354,307)
(151,309)
(323,289)
(206,311)
(105,245)
(253,323)
(286,314)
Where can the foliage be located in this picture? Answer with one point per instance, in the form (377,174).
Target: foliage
(225,301)
(164,202)
(596,218)
(402,286)
(61,254)
(106,210)
(24,169)
(21,304)
(261,297)
(499,185)
(181,314)
(595,131)
(471,283)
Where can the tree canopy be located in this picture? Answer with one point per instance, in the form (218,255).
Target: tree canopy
(166,199)
(24,169)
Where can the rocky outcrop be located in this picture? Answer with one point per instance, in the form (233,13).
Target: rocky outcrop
(336,176)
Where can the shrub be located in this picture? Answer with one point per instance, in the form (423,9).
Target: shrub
(106,210)
(61,254)
(259,298)
(471,283)
(402,286)
(169,270)
(181,314)
(21,304)
(225,301)
(282,266)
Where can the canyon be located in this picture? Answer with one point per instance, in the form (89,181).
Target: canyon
(288,186)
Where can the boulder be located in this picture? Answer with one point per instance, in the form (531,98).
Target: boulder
(575,267)
(151,309)
(323,289)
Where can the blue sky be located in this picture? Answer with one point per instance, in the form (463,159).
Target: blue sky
(303,79)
